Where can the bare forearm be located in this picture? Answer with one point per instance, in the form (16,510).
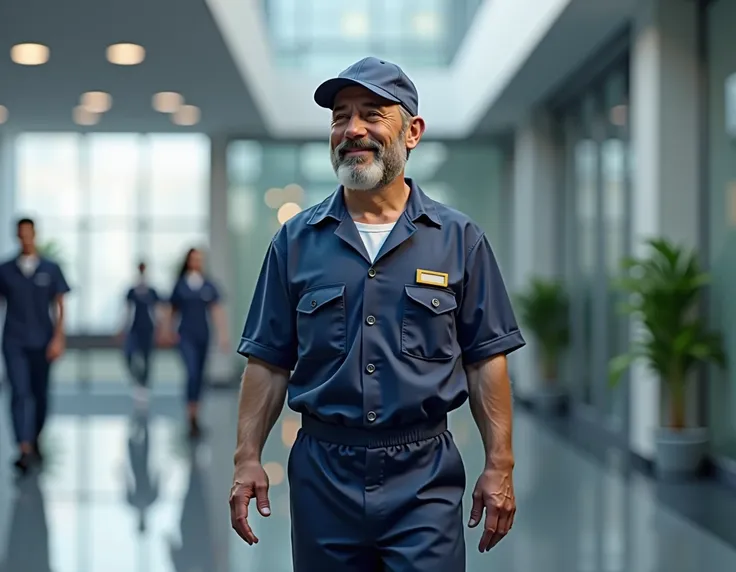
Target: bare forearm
(491,405)
(59,322)
(220,318)
(262,394)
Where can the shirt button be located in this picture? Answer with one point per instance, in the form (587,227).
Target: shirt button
(371,416)
(435,302)
(371,273)
(370,368)
(370,320)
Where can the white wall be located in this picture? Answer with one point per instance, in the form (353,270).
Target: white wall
(533,235)
(664,132)
(220,366)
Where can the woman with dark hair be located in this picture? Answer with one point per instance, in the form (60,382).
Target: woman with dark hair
(138,331)
(192,301)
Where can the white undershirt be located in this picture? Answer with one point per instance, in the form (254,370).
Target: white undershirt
(28,264)
(194,280)
(373,236)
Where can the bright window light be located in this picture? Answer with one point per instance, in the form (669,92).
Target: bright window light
(355,25)
(426,24)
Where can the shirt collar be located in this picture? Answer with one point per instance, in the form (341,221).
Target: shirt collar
(418,206)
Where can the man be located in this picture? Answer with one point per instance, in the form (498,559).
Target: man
(389,310)
(33,288)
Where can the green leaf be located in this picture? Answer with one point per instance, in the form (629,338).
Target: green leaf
(663,290)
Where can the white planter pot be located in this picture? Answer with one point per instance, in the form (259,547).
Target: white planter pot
(680,454)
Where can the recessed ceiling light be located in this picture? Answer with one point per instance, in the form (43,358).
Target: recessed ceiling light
(3,114)
(288,210)
(83,116)
(96,101)
(186,115)
(29,54)
(125,54)
(167,101)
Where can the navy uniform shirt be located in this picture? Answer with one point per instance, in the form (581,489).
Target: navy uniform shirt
(144,300)
(193,305)
(28,315)
(380,343)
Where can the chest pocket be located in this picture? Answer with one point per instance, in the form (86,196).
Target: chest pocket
(320,322)
(428,323)
(42,280)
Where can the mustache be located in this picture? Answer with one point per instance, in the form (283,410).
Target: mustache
(357,145)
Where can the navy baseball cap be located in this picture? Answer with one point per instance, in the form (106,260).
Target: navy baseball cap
(383,78)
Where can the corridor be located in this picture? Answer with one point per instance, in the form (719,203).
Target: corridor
(125,493)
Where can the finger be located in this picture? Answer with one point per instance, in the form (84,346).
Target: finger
(239,517)
(264,507)
(476,512)
(490,528)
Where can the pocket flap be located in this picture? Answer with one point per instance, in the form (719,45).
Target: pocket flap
(314,299)
(438,301)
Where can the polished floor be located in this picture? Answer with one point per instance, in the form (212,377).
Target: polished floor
(124,492)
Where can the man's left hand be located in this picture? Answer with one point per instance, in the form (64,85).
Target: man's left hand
(493,492)
(56,348)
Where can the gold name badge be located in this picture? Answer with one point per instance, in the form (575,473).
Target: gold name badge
(432,278)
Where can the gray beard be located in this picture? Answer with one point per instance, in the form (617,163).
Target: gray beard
(357,174)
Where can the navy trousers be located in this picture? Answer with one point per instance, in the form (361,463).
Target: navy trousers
(377,509)
(194,355)
(138,348)
(28,375)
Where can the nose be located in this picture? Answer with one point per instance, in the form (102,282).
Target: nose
(355,129)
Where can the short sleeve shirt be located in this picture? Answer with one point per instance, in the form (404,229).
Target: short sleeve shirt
(380,343)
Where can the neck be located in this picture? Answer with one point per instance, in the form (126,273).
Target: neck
(382,205)
(28,251)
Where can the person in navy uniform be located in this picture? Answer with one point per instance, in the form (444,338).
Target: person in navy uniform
(33,338)
(379,311)
(194,298)
(142,300)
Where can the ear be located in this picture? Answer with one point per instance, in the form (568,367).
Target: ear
(414,132)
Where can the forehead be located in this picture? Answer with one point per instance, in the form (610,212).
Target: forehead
(359,96)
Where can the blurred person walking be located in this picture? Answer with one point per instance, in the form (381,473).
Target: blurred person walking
(194,299)
(379,311)
(138,332)
(33,338)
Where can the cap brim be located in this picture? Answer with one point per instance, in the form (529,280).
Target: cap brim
(325,94)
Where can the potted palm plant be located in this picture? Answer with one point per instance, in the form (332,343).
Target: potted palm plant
(664,291)
(543,309)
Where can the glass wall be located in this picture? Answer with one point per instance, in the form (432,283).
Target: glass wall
(270,181)
(594,127)
(321,36)
(722,223)
(103,202)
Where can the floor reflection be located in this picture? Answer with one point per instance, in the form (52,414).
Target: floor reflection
(125,491)
(195,550)
(27,546)
(142,486)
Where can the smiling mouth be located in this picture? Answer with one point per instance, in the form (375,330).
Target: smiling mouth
(357,151)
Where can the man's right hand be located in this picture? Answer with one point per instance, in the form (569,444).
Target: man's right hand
(250,481)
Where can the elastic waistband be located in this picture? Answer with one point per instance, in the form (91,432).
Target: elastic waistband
(371,438)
